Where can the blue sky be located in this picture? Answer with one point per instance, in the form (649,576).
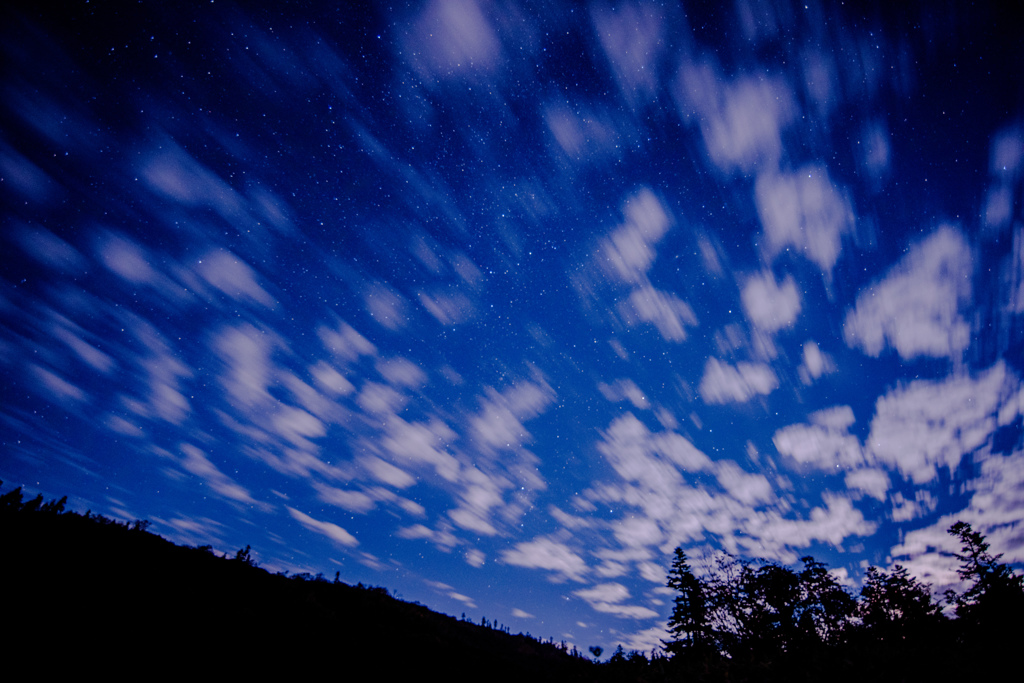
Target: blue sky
(495,304)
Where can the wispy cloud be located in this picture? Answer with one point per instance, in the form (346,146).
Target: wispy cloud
(724,383)
(328,529)
(915,308)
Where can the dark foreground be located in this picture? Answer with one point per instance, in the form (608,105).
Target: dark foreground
(87,594)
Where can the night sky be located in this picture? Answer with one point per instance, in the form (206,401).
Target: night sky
(495,304)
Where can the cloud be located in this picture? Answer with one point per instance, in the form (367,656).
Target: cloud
(48,249)
(352,501)
(749,489)
(608,597)
(923,426)
(769,306)
(498,423)
(232,276)
(174,174)
(453,39)
(385,305)
(667,312)
(628,252)
(57,387)
(126,259)
(624,390)
(195,462)
(386,472)
(993,510)
(632,37)
(874,482)
(771,536)
(804,210)
(826,444)
(652,460)
(815,363)
(296,426)
(583,133)
(447,308)
(345,343)
(724,383)
(422,443)
(328,529)
(741,121)
(245,353)
(328,379)
(915,307)
(475,558)
(545,553)
(520,614)
(401,372)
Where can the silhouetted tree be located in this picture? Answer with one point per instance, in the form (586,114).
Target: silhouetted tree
(688,624)
(772,595)
(992,605)
(244,556)
(825,606)
(895,605)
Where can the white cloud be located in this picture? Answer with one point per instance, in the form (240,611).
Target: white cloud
(245,353)
(804,210)
(296,426)
(608,597)
(47,248)
(583,133)
(330,380)
(386,472)
(925,425)
(353,501)
(875,152)
(345,343)
(197,463)
(749,489)
(58,388)
(994,510)
(232,276)
(874,482)
(771,536)
(401,372)
(632,38)
(127,259)
(520,614)
(724,383)
(667,312)
(447,308)
(915,308)
(545,553)
(422,443)
(475,558)
(628,252)
(498,423)
(328,529)
(768,305)
(826,444)
(815,363)
(625,390)
(742,121)
(904,510)
(453,39)
(385,305)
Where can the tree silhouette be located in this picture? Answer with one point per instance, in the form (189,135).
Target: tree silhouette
(688,624)
(991,606)
(825,606)
(895,605)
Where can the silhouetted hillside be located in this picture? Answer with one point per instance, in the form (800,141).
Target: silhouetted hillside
(86,594)
(90,594)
